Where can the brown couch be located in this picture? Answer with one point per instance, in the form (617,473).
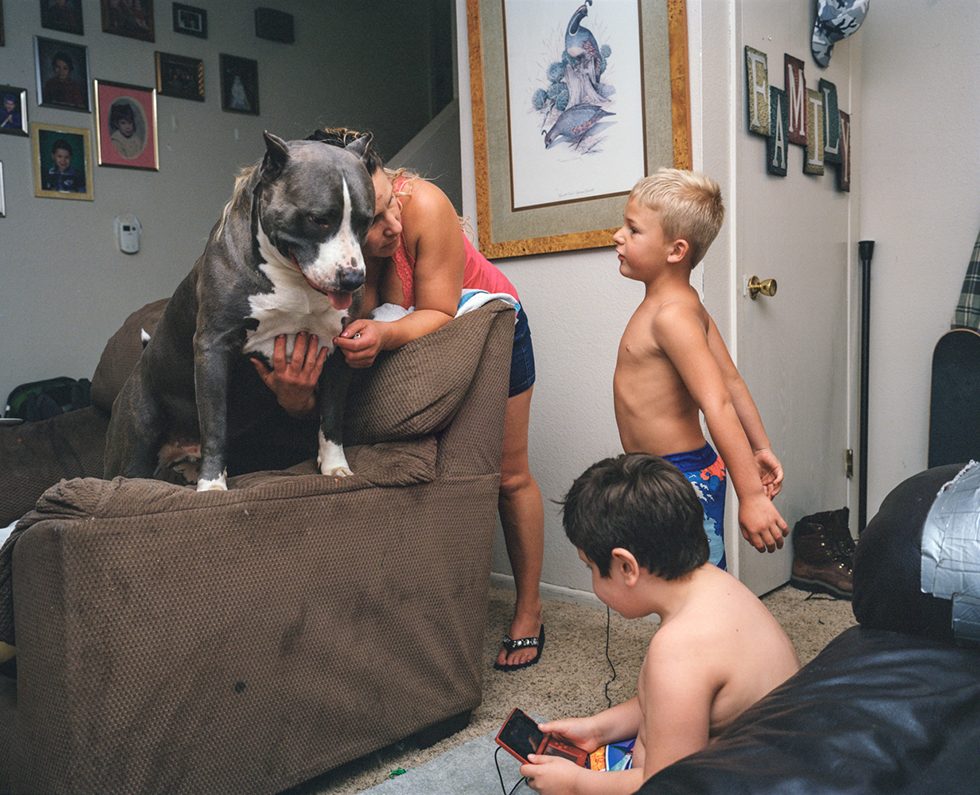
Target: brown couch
(245,641)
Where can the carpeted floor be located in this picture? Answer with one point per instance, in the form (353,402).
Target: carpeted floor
(572,675)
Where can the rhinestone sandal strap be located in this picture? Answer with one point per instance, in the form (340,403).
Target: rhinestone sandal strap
(520,643)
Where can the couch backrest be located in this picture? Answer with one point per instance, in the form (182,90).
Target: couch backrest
(408,393)
(121,353)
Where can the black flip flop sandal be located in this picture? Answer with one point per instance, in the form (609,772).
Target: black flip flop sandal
(521,643)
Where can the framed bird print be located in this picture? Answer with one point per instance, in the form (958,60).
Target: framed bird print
(572,104)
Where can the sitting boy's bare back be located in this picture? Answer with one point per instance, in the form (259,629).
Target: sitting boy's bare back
(711,659)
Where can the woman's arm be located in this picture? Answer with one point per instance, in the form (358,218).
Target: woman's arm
(433,236)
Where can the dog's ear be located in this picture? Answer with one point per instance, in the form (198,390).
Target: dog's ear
(276,156)
(359,146)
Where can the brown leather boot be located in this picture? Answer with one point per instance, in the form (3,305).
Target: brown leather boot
(835,526)
(823,553)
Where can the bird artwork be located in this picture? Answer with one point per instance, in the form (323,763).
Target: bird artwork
(575,124)
(575,100)
(584,58)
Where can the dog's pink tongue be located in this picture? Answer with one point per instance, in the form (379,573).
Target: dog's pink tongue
(340,301)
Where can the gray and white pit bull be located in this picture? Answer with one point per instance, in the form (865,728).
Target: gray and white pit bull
(285,257)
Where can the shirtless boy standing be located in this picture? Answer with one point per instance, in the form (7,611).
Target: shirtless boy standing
(673,364)
(638,527)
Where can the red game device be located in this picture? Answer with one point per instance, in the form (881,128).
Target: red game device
(520,736)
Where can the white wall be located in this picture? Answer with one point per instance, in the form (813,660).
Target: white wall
(577,305)
(64,285)
(920,162)
(915,124)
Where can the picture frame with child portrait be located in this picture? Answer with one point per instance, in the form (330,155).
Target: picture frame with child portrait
(62,162)
(126,126)
(13,110)
(61,69)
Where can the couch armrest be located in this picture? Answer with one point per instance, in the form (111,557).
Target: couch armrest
(242,641)
(419,388)
(36,455)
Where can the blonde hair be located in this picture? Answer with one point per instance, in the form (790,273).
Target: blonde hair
(240,196)
(689,204)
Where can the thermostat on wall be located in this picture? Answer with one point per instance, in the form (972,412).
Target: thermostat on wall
(128,233)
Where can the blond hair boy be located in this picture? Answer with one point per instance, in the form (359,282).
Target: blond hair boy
(673,365)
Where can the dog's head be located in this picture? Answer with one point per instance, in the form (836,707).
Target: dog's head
(316,205)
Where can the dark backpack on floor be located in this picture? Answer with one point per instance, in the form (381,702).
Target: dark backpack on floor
(39,400)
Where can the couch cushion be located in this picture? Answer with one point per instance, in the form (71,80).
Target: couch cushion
(888,562)
(37,454)
(121,353)
(416,389)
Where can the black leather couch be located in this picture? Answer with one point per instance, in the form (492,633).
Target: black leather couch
(891,706)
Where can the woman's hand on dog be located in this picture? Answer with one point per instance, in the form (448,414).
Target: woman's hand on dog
(361,342)
(293,380)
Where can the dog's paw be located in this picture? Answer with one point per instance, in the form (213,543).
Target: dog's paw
(330,459)
(218,484)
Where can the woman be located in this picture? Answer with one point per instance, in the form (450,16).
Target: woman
(417,256)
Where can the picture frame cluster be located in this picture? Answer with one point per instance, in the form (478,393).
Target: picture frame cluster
(125,115)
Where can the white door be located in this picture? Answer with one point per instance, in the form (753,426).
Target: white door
(792,348)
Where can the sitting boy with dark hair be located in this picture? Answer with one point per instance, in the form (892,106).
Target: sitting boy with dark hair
(639,527)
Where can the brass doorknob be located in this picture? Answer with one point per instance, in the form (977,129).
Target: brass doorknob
(765,286)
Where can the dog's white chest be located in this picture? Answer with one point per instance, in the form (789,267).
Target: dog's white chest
(292,306)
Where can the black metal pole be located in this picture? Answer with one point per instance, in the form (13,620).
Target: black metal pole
(866,249)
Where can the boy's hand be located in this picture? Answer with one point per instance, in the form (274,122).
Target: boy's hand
(770,471)
(761,524)
(551,775)
(293,380)
(578,731)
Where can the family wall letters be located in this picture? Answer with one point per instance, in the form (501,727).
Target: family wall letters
(797,115)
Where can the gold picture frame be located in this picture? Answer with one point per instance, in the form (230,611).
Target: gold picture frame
(508,227)
(54,178)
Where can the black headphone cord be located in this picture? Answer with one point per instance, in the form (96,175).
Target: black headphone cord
(503,789)
(608,660)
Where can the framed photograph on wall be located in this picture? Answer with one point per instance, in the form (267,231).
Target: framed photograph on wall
(62,162)
(63,15)
(13,110)
(2,42)
(132,18)
(190,20)
(179,76)
(239,84)
(274,25)
(3,200)
(564,125)
(126,130)
(61,69)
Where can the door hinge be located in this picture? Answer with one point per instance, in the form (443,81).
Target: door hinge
(849,463)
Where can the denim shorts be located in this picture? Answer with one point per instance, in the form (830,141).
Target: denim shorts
(522,357)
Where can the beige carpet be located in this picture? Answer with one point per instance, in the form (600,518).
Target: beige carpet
(572,674)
